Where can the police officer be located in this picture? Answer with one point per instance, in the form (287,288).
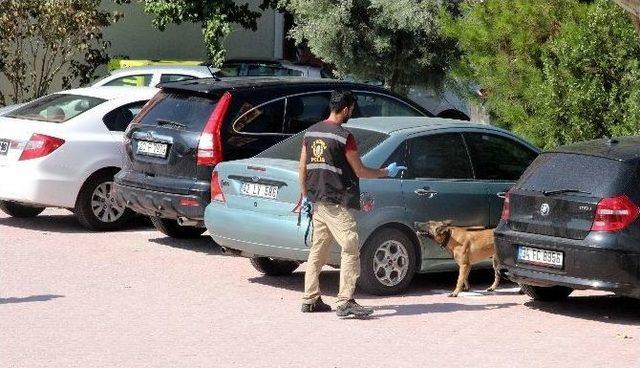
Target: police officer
(330,168)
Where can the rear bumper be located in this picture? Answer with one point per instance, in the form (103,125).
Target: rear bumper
(257,234)
(586,264)
(161,204)
(27,182)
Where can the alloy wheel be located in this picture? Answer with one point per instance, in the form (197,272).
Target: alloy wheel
(391,263)
(105,205)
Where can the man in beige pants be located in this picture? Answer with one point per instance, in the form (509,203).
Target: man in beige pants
(330,168)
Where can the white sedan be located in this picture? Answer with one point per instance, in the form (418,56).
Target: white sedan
(151,75)
(62,150)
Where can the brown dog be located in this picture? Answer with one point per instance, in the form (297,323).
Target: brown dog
(468,246)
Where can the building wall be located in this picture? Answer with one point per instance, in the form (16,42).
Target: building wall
(134,36)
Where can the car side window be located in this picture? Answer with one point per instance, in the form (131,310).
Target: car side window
(371,105)
(496,157)
(438,156)
(138,80)
(267,118)
(118,120)
(305,110)
(175,78)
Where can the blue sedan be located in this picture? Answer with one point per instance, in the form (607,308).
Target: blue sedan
(456,170)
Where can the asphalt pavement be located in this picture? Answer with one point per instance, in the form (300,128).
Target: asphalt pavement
(134,298)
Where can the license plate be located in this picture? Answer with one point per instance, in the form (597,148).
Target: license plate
(259,190)
(541,257)
(152,149)
(4,147)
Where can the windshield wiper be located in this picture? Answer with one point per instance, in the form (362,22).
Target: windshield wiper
(170,122)
(561,191)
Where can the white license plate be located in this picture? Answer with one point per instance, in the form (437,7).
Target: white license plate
(4,147)
(152,149)
(259,190)
(540,256)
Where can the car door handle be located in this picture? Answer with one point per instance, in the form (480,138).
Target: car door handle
(426,192)
(502,195)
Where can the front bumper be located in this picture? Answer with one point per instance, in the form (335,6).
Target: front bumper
(161,204)
(586,265)
(258,234)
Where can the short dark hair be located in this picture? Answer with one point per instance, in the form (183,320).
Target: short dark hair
(340,99)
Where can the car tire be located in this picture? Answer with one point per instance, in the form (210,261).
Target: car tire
(15,209)
(274,267)
(546,294)
(97,208)
(172,229)
(387,263)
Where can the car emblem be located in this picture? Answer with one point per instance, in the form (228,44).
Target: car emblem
(545,209)
(149,135)
(255,178)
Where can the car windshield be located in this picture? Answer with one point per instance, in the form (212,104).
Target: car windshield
(256,70)
(290,148)
(56,108)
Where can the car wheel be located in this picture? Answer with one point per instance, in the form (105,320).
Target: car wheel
(97,208)
(172,229)
(15,209)
(547,294)
(274,267)
(387,263)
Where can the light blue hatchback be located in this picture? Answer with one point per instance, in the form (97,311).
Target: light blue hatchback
(456,170)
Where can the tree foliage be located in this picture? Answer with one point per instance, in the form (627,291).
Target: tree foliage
(556,71)
(42,41)
(399,42)
(216,17)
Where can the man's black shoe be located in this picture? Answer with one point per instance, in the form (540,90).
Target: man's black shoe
(351,308)
(318,306)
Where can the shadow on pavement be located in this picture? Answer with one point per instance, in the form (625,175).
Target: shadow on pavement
(602,308)
(203,244)
(430,308)
(66,224)
(29,299)
(422,284)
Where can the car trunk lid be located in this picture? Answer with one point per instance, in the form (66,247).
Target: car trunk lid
(559,193)
(165,139)
(16,133)
(260,184)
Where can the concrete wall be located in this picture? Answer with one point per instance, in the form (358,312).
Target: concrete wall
(135,37)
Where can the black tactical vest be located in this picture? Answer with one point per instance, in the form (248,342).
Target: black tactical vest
(329,176)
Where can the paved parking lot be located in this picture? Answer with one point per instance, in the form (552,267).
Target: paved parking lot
(71,298)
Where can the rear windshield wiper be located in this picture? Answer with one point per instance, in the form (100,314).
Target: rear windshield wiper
(170,122)
(560,191)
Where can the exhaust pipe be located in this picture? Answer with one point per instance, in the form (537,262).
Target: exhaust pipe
(183,221)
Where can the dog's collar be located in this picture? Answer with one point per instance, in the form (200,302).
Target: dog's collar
(447,238)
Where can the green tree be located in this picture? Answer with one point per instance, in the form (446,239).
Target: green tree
(556,71)
(42,42)
(398,42)
(216,17)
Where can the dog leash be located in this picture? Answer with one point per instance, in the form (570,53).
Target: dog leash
(308,210)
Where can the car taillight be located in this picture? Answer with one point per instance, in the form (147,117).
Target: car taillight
(40,145)
(216,189)
(614,214)
(506,207)
(210,146)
